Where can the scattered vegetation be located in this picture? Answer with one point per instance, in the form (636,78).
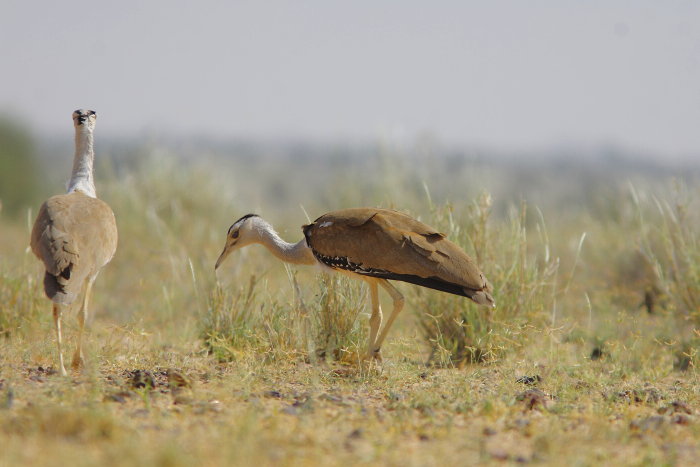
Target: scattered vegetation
(19,177)
(327,327)
(460,332)
(20,302)
(589,357)
(336,319)
(669,243)
(229,325)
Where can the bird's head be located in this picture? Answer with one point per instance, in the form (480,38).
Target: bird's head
(243,232)
(84,119)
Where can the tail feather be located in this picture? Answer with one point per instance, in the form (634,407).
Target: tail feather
(482,297)
(58,290)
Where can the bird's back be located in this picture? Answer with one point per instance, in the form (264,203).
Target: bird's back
(392,245)
(74,235)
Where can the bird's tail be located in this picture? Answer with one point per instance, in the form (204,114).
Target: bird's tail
(58,289)
(481,297)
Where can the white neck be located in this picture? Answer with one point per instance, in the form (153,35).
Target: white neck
(296,253)
(82,177)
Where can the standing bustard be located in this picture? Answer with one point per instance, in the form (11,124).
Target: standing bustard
(374,245)
(75,235)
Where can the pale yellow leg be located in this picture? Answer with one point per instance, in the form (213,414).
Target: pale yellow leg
(398,305)
(78,361)
(375,321)
(57,323)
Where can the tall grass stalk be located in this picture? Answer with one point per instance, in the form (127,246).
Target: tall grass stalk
(229,324)
(327,328)
(458,331)
(335,316)
(21,303)
(669,241)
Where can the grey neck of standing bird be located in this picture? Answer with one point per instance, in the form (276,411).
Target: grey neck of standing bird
(296,253)
(82,176)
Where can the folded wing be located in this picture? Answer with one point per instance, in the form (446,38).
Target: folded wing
(74,235)
(391,245)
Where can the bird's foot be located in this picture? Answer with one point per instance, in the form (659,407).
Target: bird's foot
(374,355)
(61,366)
(78,362)
(371,363)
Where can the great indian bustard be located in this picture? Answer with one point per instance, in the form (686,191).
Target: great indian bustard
(75,235)
(376,245)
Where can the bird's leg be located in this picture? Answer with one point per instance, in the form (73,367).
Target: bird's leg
(57,322)
(375,321)
(78,360)
(398,305)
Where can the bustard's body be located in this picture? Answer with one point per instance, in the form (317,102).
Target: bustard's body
(75,235)
(375,245)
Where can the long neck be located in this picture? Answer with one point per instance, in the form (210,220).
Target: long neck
(296,253)
(82,177)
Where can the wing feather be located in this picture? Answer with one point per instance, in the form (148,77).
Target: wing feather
(392,245)
(74,235)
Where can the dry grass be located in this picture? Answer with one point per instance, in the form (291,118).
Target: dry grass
(461,332)
(257,366)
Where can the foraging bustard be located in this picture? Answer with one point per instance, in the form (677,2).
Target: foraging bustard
(74,235)
(374,245)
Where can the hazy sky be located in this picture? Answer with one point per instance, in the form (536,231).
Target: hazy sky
(506,74)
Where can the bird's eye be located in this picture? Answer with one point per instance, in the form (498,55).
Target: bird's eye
(235,234)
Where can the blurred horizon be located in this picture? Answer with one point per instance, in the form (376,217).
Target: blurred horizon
(566,78)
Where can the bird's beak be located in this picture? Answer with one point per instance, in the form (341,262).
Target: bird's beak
(223,255)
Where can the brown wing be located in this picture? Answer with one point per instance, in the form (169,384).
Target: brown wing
(391,245)
(74,235)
